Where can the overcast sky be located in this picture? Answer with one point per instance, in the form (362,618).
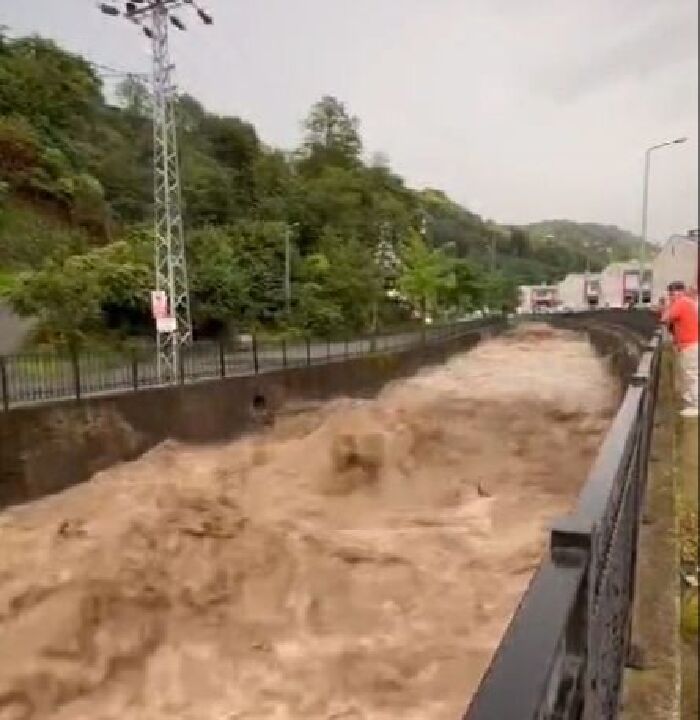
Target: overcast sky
(521,110)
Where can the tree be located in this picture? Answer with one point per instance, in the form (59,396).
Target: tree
(219,283)
(331,136)
(238,273)
(338,286)
(466,294)
(70,299)
(520,242)
(54,90)
(426,274)
(500,292)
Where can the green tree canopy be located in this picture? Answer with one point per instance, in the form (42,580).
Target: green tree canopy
(427,275)
(331,136)
(70,298)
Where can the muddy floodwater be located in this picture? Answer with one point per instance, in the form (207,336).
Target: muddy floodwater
(359,560)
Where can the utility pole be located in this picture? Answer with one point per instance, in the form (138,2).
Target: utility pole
(288,268)
(174,330)
(386,261)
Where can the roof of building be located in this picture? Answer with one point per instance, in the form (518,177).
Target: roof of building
(616,266)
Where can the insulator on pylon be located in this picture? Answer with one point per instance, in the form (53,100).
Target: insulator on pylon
(205,16)
(108,9)
(177,22)
(148,33)
(130,8)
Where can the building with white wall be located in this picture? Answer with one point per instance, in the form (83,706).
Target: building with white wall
(620,285)
(678,260)
(579,291)
(537,298)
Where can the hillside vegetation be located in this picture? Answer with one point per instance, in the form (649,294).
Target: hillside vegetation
(600,242)
(76,208)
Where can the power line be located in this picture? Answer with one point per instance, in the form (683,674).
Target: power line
(108,71)
(154,18)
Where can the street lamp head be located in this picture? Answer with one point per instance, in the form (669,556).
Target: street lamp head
(679,140)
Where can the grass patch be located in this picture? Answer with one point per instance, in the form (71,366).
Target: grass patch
(689,616)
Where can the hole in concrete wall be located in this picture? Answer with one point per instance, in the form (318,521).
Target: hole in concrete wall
(260,410)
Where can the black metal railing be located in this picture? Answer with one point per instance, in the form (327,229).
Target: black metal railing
(564,653)
(63,374)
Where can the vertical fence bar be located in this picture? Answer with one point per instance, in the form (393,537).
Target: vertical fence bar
(308,352)
(347,348)
(328,349)
(222,359)
(75,364)
(3,384)
(134,370)
(284,353)
(256,366)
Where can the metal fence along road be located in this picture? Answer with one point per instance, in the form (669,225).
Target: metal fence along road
(564,653)
(30,378)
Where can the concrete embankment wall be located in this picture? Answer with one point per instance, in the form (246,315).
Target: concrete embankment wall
(49,447)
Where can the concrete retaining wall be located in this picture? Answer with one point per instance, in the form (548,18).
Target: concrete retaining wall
(47,448)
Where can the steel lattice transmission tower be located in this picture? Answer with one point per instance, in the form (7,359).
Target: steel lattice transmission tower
(155,17)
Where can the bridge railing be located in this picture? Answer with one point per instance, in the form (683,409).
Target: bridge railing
(563,655)
(63,374)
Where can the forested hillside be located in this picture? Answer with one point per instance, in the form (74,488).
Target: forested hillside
(601,242)
(75,214)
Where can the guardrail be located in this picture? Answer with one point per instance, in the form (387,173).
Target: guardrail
(563,655)
(39,377)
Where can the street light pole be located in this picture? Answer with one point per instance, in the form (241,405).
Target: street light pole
(288,268)
(287,271)
(645,203)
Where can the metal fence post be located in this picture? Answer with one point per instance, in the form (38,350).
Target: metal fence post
(3,384)
(75,364)
(328,349)
(181,359)
(222,359)
(347,348)
(308,352)
(284,352)
(134,370)
(256,366)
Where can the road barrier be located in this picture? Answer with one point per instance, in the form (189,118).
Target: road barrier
(73,374)
(564,653)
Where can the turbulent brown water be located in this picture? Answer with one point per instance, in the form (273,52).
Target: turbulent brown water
(357,561)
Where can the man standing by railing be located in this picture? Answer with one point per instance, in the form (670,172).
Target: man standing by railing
(681,317)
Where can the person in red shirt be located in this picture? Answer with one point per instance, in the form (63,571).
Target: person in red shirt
(681,316)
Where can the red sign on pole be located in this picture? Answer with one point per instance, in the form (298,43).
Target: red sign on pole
(159,304)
